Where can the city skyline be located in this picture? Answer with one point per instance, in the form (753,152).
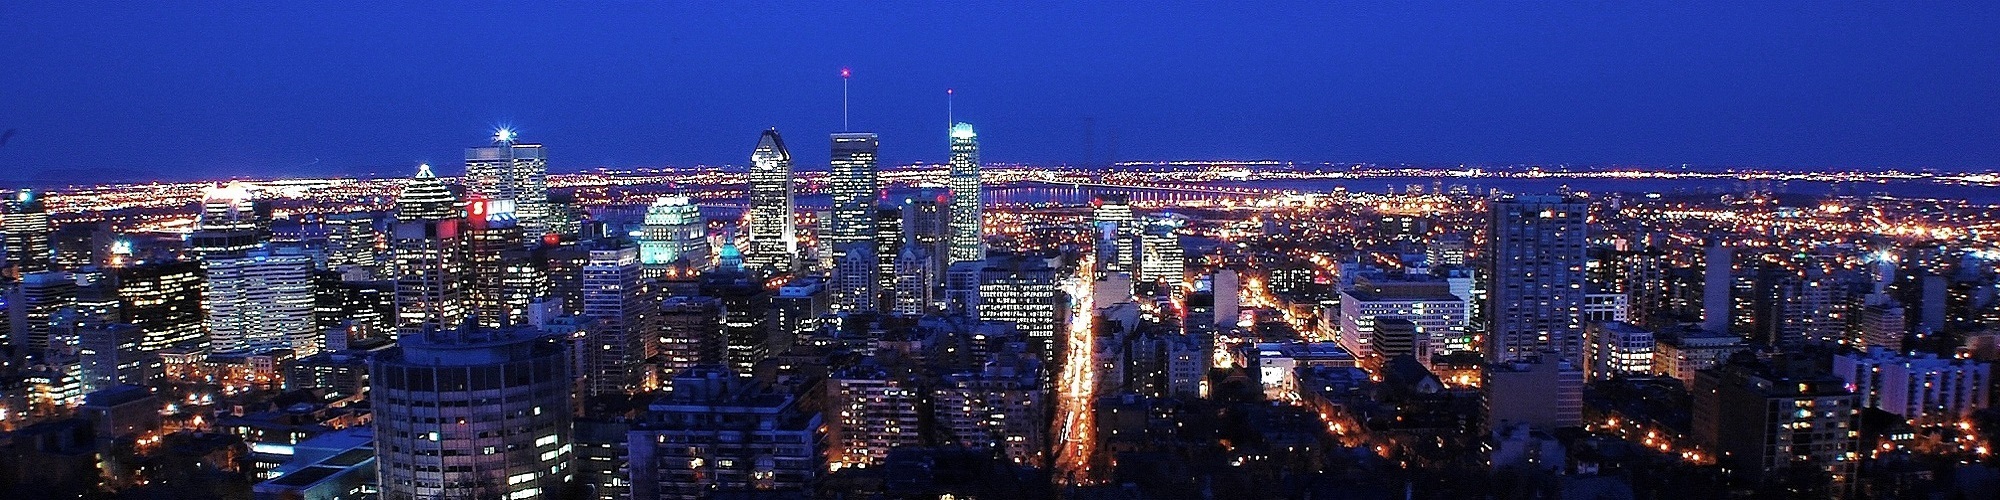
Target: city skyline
(1750,86)
(895,315)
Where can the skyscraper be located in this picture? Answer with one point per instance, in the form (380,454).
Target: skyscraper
(916,276)
(474,413)
(232,221)
(855,287)
(774,239)
(1117,233)
(674,237)
(260,301)
(625,337)
(1024,290)
(1536,251)
(691,334)
(502,282)
(350,245)
(966,242)
(430,270)
(163,300)
(851,225)
(516,172)
(24,222)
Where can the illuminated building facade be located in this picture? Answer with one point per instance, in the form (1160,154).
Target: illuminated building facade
(967,243)
(674,236)
(162,299)
(718,433)
(503,282)
(614,295)
(427,247)
(774,238)
(260,301)
(25,232)
(516,172)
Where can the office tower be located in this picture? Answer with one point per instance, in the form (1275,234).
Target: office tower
(967,242)
(232,221)
(163,300)
(32,309)
(79,244)
(613,295)
(1024,290)
(350,245)
(1536,252)
(747,318)
(718,433)
(428,253)
(774,239)
(1617,349)
(850,225)
(110,356)
(869,411)
(1161,259)
(915,281)
(854,187)
(24,232)
(564,267)
(691,334)
(1756,419)
(1438,315)
(502,281)
(927,223)
(1117,233)
(854,278)
(360,308)
(1923,388)
(888,246)
(472,413)
(674,238)
(798,308)
(513,172)
(260,301)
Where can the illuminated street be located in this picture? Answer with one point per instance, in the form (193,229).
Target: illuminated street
(1076,387)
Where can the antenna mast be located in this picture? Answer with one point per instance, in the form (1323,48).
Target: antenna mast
(844,75)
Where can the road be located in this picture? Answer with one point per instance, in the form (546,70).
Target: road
(1077,384)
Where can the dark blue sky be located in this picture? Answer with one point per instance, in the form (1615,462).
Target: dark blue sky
(174,90)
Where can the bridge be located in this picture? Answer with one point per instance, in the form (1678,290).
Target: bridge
(1098,186)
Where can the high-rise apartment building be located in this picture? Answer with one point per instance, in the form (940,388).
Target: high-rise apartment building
(774,238)
(516,172)
(1756,419)
(719,433)
(1920,387)
(1536,254)
(967,242)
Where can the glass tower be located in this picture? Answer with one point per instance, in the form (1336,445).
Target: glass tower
(966,243)
(774,240)
(517,172)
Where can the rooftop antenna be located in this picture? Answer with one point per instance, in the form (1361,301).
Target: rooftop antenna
(948,122)
(845,74)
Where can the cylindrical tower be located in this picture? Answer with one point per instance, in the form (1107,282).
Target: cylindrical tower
(474,413)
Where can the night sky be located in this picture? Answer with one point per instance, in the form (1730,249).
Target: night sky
(168,90)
